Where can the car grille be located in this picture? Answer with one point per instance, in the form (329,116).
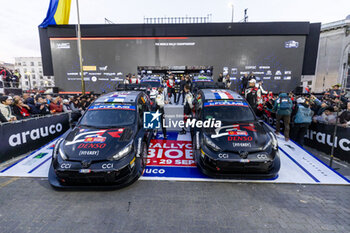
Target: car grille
(233,167)
(93,178)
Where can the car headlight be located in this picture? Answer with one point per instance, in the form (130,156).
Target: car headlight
(56,148)
(272,141)
(126,150)
(211,144)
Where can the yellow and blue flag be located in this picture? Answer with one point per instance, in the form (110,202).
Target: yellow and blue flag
(58,13)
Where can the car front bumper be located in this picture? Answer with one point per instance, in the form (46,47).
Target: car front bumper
(236,168)
(109,178)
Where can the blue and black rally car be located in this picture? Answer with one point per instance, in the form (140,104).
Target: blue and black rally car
(243,147)
(107,147)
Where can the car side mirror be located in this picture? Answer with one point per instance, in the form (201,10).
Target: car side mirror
(73,124)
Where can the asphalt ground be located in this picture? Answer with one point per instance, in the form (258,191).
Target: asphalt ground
(31,205)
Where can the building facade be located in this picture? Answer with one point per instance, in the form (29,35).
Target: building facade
(31,71)
(333,60)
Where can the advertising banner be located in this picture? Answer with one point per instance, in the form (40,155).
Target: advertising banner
(21,137)
(320,136)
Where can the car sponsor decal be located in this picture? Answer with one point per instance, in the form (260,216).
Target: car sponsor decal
(234,130)
(240,138)
(107,166)
(91,145)
(95,139)
(112,106)
(226,103)
(238,133)
(40,155)
(116,134)
(220,94)
(170,153)
(89,152)
(87,135)
(242,144)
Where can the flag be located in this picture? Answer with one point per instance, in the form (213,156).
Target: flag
(58,13)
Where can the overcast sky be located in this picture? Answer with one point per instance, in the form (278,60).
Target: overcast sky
(19,19)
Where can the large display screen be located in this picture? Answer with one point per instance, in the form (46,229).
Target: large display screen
(277,60)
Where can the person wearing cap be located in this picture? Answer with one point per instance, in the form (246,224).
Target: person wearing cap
(251,94)
(302,120)
(65,106)
(5,109)
(335,92)
(134,79)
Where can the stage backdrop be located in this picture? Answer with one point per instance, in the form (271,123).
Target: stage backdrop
(276,59)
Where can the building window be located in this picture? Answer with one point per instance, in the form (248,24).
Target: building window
(27,83)
(41,77)
(33,76)
(25,76)
(41,84)
(39,63)
(309,83)
(34,83)
(32,63)
(48,77)
(33,70)
(49,84)
(40,71)
(25,70)
(19,63)
(24,63)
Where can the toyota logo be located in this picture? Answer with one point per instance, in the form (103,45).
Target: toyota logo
(243,154)
(85,163)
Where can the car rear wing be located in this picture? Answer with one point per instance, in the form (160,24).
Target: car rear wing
(134,87)
(207,85)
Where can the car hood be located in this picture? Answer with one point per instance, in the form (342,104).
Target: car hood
(239,137)
(95,144)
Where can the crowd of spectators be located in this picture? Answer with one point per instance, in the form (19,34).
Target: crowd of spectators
(15,107)
(297,112)
(9,78)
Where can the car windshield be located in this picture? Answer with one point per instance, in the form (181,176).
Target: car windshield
(153,83)
(100,116)
(230,113)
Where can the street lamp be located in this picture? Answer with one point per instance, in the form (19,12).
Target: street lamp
(231,5)
(30,84)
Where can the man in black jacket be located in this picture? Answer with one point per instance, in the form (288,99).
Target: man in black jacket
(181,91)
(42,106)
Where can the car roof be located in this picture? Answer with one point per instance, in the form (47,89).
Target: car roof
(151,78)
(119,97)
(220,94)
